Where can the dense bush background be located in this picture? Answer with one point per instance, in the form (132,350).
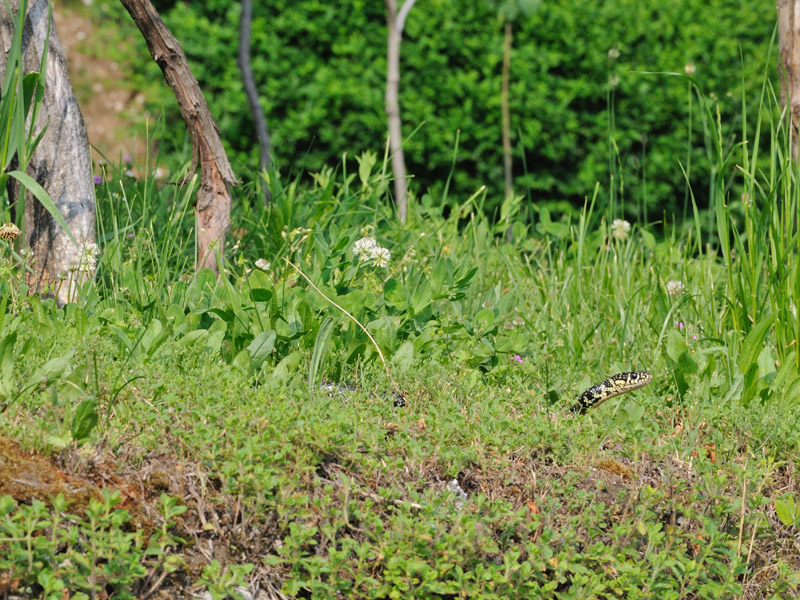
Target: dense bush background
(320,68)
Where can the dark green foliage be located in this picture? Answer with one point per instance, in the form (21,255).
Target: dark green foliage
(320,68)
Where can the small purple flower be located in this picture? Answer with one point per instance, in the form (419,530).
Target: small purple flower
(126,158)
(98,179)
(517,358)
(679,324)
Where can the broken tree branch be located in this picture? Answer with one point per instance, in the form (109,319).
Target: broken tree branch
(213,207)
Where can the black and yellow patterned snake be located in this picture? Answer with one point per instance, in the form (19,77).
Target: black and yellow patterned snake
(621,383)
(616,385)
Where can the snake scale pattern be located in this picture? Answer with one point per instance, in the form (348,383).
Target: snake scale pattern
(621,383)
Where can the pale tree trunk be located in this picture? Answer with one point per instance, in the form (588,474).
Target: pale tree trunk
(61,163)
(213,208)
(789,42)
(395,23)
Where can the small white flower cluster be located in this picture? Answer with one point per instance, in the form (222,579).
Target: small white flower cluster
(262,264)
(367,248)
(620,229)
(87,263)
(675,287)
(514,323)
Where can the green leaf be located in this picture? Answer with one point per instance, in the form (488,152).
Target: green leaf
(648,239)
(751,346)
(422,297)
(42,196)
(395,294)
(260,295)
(52,369)
(225,315)
(7,364)
(366,161)
(284,370)
(153,336)
(438,276)
(196,336)
(557,230)
(403,359)
(242,362)
(29,84)
(261,347)
(687,364)
(320,352)
(679,353)
(676,345)
(85,420)
(214,339)
(504,344)
(786,510)
(766,364)
(485,318)
(734,392)
(464,280)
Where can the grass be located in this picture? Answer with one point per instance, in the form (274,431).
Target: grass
(166,434)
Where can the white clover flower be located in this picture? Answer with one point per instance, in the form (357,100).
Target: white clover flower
(381,256)
(689,69)
(613,54)
(364,247)
(675,287)
(613,81)
(620,229)
(87,262)
(262,264)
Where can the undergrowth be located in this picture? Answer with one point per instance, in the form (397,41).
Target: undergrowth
(187,412)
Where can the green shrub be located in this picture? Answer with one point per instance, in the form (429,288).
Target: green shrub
(320,69)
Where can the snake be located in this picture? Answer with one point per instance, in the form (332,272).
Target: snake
(616,385)
(342,390)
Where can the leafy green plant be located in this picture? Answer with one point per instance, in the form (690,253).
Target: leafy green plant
(222,581)
(47,550)
(788,510)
